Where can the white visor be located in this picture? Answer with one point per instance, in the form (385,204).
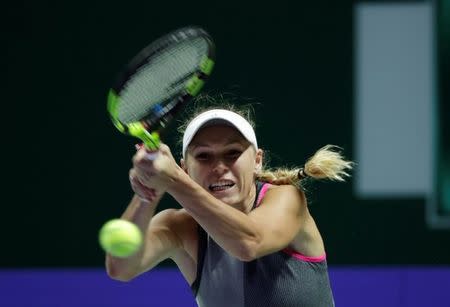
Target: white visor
(217,116)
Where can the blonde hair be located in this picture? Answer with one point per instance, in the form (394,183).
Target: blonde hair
(326,163)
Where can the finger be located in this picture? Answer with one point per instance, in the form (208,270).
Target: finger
(136,176)
(141,160)
(144,175)
(141,146)
(164,148)
(141,190)
(138,146)
(147,153)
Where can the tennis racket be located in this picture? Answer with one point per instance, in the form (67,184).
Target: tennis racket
(159,81)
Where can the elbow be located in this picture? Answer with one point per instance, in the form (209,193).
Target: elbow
(246,258)
(248,251)
(118,273)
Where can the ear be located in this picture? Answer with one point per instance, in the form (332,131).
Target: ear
(259,160)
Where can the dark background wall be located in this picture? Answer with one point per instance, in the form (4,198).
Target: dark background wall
(66,167)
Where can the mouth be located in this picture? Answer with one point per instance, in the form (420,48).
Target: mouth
(221,185)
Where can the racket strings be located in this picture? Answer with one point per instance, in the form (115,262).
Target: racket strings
(162,78)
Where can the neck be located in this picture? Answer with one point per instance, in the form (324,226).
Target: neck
(247,204)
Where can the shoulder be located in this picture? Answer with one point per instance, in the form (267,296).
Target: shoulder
(284,193)
(177,220)
(286,188)
(176,215)
(282,198)
(185,228)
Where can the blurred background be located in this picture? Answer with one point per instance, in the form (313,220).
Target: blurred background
(370,76)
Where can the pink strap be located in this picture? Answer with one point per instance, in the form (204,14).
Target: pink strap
(262,193)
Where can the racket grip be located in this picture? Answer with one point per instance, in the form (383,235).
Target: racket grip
(151,140)
(152,155)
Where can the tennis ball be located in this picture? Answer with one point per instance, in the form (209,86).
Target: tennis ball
(120,238)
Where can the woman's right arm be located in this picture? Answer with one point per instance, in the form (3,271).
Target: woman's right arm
(140,213)
(159,231)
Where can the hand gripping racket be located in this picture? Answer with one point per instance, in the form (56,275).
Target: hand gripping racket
(158,81)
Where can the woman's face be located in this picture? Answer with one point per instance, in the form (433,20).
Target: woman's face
(223,162)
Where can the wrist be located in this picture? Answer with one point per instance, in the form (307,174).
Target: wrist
(176,180)
(144,200)
(149,199)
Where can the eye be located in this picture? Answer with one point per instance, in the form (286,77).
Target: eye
(233,153)
(202,156)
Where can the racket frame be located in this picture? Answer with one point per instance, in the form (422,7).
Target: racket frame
(149,127)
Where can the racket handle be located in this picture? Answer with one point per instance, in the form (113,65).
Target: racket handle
(152,155)
(151,140)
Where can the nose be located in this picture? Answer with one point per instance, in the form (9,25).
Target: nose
(219,167)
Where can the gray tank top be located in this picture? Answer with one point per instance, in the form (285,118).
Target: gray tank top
(284,278)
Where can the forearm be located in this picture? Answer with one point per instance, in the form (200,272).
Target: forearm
(232,229)
(140,213)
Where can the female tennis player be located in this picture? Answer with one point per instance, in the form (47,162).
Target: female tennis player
(244,235)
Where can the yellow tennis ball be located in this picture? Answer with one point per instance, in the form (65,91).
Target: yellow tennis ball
(120,238)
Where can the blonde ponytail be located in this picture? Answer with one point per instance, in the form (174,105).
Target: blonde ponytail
(326,163)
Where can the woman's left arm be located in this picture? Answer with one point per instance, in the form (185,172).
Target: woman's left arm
(266,229)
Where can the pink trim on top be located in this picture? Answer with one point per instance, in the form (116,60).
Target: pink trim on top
(262,193)
(288,250)
(302,257)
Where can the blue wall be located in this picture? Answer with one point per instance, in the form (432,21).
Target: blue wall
(352,286)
